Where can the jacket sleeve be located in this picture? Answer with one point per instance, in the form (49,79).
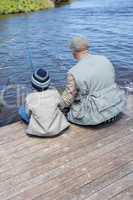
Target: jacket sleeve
(69,93)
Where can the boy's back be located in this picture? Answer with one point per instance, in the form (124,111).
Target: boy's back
(46,118)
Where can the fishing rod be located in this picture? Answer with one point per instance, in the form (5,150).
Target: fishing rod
(27,46)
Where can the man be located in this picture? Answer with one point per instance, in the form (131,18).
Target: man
(91,93)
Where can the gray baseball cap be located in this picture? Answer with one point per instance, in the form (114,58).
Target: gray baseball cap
(79,44)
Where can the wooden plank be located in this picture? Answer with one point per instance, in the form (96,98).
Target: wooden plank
(73,145)
(97,184)
(124,195)
(64,189)
(47,189)
(30,144)
(67,179)
(47,157)
(10,136)
(113,189)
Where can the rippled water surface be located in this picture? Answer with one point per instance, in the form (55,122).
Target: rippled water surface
(44,37)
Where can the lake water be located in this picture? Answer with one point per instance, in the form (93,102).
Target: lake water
(43,38)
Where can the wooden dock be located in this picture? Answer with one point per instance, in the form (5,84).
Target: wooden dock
(81,164)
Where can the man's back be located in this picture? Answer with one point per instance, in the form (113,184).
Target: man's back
(94,73)
(100,99)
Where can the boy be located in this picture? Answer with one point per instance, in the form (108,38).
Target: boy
(41,111)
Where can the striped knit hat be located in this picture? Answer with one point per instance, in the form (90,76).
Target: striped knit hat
(40,79)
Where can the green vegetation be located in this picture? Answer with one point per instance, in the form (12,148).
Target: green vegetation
(18,6)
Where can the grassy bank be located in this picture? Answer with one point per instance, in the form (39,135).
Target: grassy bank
(18,6)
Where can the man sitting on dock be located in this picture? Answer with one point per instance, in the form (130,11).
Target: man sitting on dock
(91,94)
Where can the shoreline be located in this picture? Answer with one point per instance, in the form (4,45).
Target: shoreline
(14,7)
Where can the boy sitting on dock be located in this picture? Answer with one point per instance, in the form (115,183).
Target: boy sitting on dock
(41,111)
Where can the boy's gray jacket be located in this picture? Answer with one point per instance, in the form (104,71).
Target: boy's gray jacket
(46,118)
(99,98)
